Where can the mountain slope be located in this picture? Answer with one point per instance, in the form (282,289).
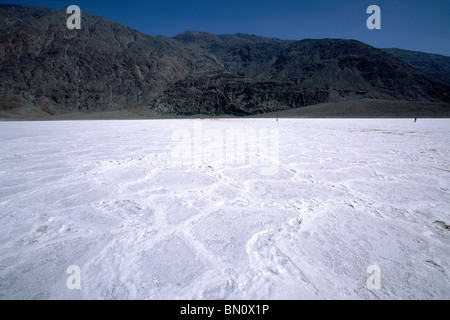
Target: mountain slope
(435,65)
(263,75)
(103,66)
(106,66)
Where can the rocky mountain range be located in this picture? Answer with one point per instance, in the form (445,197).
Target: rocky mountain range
(106,66)
(435,65)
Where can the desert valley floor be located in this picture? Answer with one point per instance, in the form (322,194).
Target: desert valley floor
(182,209)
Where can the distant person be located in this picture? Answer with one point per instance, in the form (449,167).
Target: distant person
(415,119)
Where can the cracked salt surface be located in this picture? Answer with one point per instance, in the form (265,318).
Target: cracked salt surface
(108,197)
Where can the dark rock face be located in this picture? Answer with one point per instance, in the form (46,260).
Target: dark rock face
(435,65)
(103,66)
(108,66)
(263,75)
(228,94)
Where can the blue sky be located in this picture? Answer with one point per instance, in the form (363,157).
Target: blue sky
(413,24)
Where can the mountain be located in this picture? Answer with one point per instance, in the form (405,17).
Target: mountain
(435,65)
(103,66)
(107,67)
(268,75)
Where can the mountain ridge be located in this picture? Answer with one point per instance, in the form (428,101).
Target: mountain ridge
(107,66)
(437,65)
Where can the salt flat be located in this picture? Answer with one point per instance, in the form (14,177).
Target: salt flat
(171,209)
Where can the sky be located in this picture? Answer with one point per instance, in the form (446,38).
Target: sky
(407,24)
